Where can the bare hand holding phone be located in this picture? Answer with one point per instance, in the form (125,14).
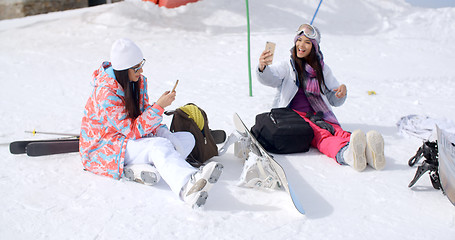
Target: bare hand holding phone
(266,57)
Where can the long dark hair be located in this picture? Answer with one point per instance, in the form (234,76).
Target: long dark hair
(313,61)
(131,90)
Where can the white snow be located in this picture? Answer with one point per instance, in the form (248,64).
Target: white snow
(403,53)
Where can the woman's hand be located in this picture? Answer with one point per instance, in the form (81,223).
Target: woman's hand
(265,59)
(340,92)
(166,99)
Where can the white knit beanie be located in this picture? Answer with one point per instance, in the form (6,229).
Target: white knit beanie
(125,54)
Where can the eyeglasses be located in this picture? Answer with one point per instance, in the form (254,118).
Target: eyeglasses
(308,31)
(140,66)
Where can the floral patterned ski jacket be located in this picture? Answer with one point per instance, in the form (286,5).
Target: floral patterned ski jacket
(106,127)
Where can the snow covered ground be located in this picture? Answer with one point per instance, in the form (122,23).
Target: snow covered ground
(403,53)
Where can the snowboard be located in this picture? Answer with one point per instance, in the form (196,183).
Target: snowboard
(275,166)
(44,147)
(446,164)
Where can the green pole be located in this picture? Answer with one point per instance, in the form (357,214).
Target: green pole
(249,55)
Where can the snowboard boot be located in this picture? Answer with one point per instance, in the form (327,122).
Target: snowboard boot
(258,174)
(195,191)
(354,156)
(142,173)
(375,150)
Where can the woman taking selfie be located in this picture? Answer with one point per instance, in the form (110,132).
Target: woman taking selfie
(307,85)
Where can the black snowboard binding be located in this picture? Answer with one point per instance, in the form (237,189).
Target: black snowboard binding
(429,150)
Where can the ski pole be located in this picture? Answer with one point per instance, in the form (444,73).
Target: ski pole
(249,54)
(316,12)
(34,132)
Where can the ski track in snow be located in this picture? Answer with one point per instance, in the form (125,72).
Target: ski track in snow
(403,53)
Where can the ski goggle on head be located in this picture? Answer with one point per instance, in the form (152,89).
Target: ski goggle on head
(141,64)
(308,31)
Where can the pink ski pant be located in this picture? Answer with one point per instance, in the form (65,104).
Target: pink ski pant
(324,141)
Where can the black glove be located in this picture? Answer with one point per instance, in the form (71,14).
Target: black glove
(319,121)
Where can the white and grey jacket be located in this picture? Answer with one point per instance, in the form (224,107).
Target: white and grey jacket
(283,77)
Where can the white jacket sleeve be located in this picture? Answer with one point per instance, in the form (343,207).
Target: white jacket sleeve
(332,83)
(273,75)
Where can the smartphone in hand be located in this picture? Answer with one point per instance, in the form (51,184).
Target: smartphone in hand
(270,46)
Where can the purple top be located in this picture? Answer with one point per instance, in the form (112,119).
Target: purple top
(300,102)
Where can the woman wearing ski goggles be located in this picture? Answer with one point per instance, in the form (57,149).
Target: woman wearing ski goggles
(307,85)
(307,30)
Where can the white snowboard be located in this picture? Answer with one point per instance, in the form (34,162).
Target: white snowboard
(242,129)
(446,158)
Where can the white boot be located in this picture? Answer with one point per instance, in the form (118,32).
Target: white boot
(375,150)
(195,190)
(142,173)
(354,156)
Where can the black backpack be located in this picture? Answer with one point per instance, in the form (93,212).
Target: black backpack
(205,147)
(282,130)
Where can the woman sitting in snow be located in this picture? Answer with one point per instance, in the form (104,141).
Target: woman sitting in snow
(307,85)
(122,134)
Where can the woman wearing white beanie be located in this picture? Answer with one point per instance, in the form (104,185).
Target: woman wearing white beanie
(123,135)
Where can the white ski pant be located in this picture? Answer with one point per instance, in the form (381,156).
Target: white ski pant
(160,152)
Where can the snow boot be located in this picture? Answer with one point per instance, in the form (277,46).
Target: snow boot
(195,191)
(375,150)
(354,156)
(142,173)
